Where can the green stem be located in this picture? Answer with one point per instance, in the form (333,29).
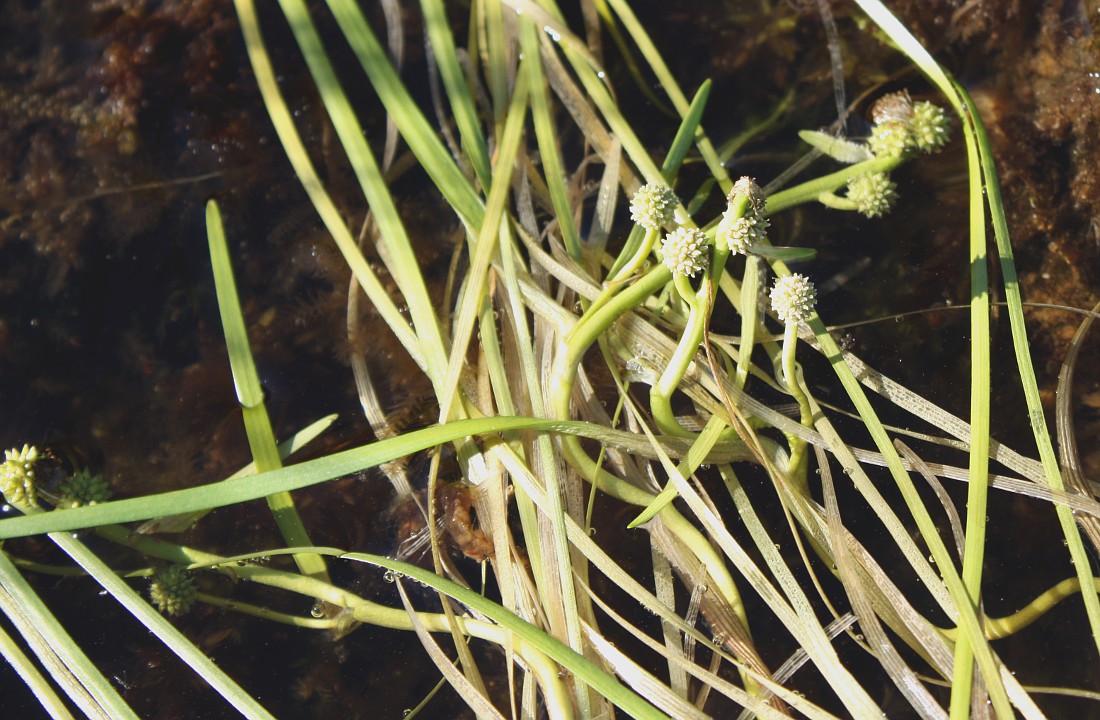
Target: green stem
(362,610)
(812,190)
(564,374)
(797,464)
(635,261)
(660,394)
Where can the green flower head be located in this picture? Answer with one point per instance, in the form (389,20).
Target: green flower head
(747,187)
(744,223)
(17,476)
(873,194)
(83,488)
(793,298)
(173,590)
(685,251)
(930,127)
(891,139)
(653,206)
(903,126)
(741,234)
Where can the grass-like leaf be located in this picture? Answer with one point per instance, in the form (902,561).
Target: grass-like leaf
(250,395)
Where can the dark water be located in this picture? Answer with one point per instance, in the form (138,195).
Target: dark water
(119,120)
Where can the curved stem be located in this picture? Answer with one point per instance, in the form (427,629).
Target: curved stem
(564,374)
(660,394)
(797,463)
(638,258)
(998,628)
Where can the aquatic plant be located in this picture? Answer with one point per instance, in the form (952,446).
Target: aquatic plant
(552,308)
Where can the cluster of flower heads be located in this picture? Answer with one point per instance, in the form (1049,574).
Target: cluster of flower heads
(18,477)
(742,229)
(684,250)
(902,126)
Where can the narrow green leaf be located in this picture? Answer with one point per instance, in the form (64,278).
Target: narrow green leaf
(686,135)
(98,695)
(257,424)
(458,92)
(295,477)
(786,254)
(839,149)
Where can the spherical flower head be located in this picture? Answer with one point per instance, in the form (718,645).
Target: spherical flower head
(172,590)
(874,193)
(653,206)
(890,139)
(893,107)
(793,298)
(742,233)
(83,488)
(747,187)
(929,127)
(685,251)
(17,476)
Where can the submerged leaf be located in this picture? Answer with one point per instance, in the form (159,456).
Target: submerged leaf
(838,149)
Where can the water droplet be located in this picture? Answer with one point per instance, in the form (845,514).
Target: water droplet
(389,576)
(554,34)
(318,609)
(601,74)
